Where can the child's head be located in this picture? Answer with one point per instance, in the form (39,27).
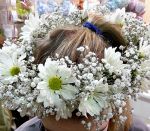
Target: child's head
(65,41)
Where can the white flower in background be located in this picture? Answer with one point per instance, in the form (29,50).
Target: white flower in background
(145,81)
(89,5)
(117,17)
(9,48)
(144,48)
(145,84)
(11,64)
(147,35)
(30,25)
(72,8)
(112,59)
(56,83)
(95,100)
(145,65)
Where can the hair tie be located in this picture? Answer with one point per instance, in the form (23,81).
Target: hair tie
(92,28)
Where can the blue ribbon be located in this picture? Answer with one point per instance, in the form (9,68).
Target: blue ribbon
(92,28)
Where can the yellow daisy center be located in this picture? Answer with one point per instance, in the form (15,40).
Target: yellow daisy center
(142,55)
(15,70)
(55,83)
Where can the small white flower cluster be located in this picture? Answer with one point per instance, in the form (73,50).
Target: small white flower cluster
(134,28)
(98,9)
(37,27)
(59,86)
(57,19)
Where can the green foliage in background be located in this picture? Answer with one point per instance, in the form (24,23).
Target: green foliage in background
(20,10)
(1,32)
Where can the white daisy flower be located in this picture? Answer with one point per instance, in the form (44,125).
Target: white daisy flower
(30,25)
(144,48)
(145,84)
(9,48)
(93,102)
(145,65)
(72,8)
(89,5)
(62,110)
(147,35)
(11,64)
(56,83)
(117,17)
(112,59)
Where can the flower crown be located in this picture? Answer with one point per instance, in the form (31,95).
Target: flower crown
(60,86)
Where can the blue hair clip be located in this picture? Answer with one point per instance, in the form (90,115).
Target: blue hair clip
(92,28)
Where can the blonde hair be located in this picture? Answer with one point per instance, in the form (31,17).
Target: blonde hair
(65,41)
